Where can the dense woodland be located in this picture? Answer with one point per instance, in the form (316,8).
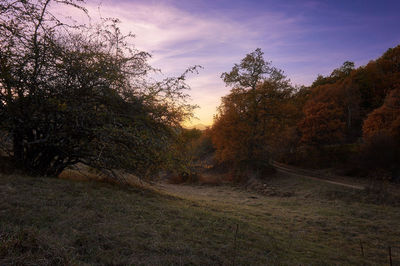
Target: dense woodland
(73,93)
(349,120)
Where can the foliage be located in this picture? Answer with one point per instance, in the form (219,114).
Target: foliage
(183,157)
(71,93)
(191,154)
(379,158)
(323,123)
(347,96)
(381,132)
(349,106)
(337,74)
(385,119)
(251,116)
(327,110)
(203,146)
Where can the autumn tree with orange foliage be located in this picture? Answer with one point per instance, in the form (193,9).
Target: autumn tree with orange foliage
(346,107)
(254,113)
(366,88)
(339,103)
(323,123)
(381,132)
(386,119)
(325,113)
(318,126)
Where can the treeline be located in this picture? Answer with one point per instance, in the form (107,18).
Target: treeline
(72,93)
(349,120)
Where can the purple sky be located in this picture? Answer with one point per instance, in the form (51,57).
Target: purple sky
(303,38)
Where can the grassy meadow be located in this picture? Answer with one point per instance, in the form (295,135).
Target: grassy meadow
(100,163)
(301,222)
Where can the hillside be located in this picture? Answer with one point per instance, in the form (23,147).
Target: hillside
(298,221)
(198,126)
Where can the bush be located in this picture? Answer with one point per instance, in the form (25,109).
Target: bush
(6,165)
(379,154)
(82,94)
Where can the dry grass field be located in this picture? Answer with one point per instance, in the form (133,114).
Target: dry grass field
(295,221)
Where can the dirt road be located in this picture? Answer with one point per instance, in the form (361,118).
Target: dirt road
(312,175)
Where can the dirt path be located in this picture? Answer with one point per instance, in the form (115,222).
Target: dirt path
(312,175)
(223,194)
(250,196)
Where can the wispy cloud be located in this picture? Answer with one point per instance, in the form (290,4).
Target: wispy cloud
(178,39)
(218,38)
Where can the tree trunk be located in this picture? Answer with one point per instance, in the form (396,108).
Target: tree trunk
(18,149)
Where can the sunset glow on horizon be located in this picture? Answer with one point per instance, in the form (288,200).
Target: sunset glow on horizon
(303,38)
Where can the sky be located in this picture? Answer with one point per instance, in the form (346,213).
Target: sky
(303,38)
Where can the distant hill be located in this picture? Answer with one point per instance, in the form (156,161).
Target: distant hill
(198,126)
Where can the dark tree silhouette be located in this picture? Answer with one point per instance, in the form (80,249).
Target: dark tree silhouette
(71,93)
